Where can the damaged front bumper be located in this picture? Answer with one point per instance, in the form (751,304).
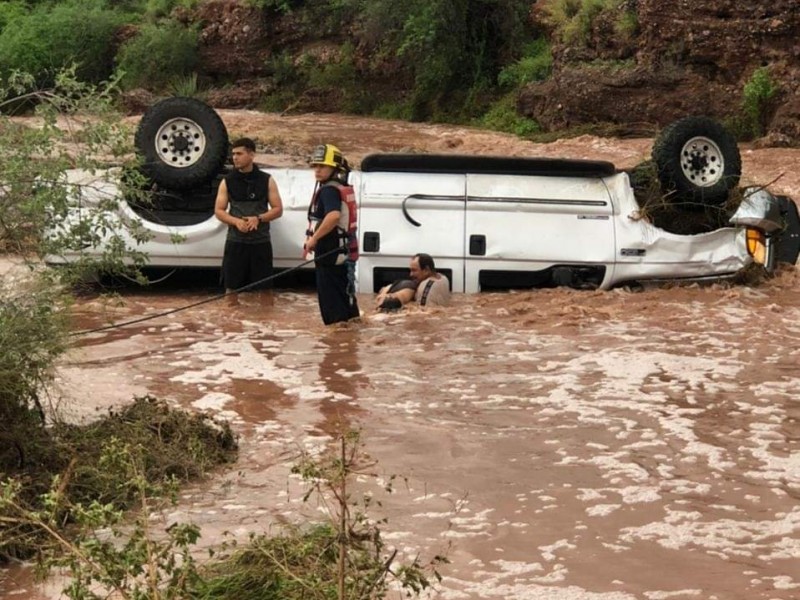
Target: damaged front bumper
(772,225)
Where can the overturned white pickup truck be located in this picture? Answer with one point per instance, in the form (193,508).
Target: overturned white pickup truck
(489,222)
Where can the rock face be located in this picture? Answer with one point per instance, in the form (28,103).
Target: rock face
(689,57)
(234,38)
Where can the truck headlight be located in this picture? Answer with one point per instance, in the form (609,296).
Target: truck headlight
(757,245)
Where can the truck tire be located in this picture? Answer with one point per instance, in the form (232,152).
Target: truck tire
(698,161)
(182,142)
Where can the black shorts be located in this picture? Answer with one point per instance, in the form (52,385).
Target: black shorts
(243,264)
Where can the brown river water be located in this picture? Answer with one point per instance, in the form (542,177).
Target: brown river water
(558,444)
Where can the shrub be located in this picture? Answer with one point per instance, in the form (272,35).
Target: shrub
(157,55)
(37,220)
(151,10)
(758,92)
(279,6)
(32,335)
(11,11)
(535,65)
(573,19)
(627,25)
(103,462)
(503,116)
(449,53)
(282,68)
(186,86)
(52,37)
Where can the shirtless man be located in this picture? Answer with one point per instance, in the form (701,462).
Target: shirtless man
(425,285)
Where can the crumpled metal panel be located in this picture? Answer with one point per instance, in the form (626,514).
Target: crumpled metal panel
(645,251)
(759,209)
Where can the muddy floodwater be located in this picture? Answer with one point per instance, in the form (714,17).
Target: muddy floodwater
(563,444)
(557,444)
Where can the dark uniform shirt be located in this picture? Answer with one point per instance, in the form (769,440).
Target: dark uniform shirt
(248,194)
(328,200)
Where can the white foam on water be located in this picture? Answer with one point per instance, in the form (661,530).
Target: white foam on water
(213,401)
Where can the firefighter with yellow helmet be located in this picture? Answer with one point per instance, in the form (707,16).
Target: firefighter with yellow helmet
(332,235)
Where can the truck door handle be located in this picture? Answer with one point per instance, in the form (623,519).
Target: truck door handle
(477,245)
(372,241)
(408,217)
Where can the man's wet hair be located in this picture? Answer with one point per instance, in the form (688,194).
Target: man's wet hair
(425,262)
(244,142)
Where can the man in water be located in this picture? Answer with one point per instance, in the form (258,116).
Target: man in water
(425,286)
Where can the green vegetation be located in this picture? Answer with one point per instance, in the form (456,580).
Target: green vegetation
(627,26)
(47,38)
(503,116)
(573,19)
(158,9)
(32,335)
(343,557)
(100,550)
(534,65)
(158,55)
(35,205)
(37,193)
(11,11)
(453,58)
(756,97)
(103,463)
(279,6)
(186,86)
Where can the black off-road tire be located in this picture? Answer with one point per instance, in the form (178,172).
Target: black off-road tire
(698,161)
(183,143)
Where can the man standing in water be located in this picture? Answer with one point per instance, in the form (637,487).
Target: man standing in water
(332,217)
(247,201)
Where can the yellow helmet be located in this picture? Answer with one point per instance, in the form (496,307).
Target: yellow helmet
(328,155)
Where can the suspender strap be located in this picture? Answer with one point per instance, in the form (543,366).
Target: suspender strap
(428,286)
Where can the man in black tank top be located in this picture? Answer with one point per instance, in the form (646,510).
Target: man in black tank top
(247,201)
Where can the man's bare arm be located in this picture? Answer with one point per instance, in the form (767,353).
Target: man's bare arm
(221,209)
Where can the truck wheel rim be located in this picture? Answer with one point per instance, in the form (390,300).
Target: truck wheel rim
(180,142)
(702,162)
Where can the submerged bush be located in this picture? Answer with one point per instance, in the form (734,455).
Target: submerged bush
(161,442)
(665,212)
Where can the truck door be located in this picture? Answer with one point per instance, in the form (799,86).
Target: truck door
(518,228)
(402,214)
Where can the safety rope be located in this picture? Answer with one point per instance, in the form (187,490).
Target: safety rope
(200,302)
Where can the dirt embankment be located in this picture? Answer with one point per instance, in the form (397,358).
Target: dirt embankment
(682,58)
(686,58)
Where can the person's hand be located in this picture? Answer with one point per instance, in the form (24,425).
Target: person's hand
(311,243)
(252,223)
(242,226)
